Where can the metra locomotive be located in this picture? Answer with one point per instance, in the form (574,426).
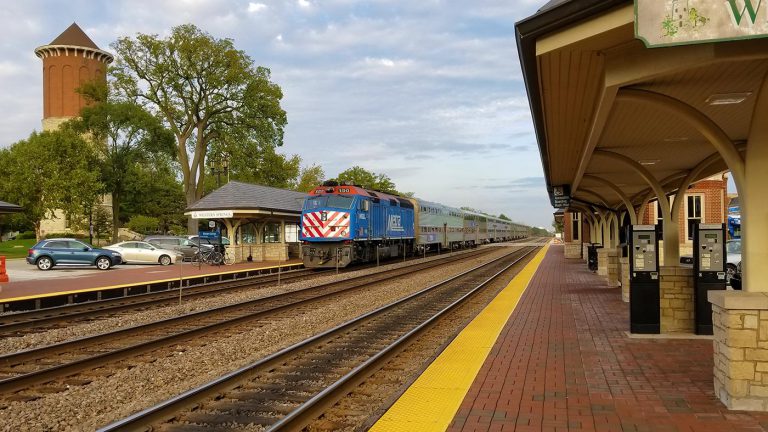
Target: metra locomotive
(343,224)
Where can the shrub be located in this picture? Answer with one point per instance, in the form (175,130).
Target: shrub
(66,235)
(143,224)
(26,235)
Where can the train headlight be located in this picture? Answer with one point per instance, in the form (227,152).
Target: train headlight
(344,232)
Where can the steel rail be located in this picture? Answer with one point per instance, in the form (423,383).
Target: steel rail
(22,381)
(189,399)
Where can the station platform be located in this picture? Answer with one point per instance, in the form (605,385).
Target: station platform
(552,353)
(32,283)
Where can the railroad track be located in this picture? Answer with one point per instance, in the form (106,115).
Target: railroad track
(288,389)
(25,375)
(22,323)
(19,324)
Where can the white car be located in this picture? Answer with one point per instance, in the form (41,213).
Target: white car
(143,252)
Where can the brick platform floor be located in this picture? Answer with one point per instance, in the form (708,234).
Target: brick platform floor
(564,363)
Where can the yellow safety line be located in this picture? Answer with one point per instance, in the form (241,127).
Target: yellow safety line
(86,290)
(431,402)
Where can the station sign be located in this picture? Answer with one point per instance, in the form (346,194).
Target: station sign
(661,23)
(561,196)
(212,214)
(211,235)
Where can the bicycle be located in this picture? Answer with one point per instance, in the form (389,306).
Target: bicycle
(208,256)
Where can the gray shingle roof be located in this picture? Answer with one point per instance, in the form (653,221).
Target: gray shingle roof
(9,208)
(238,195)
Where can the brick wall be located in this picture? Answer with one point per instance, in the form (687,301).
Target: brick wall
(714,207)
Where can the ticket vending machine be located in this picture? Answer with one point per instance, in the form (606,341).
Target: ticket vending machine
(709,260)
(644,304)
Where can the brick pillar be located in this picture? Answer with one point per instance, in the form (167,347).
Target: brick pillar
(624,263)
(612,267)
(602,262)
(677,307)
(573,250)
(740,327)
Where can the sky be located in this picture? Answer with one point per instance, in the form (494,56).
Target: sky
(428,92)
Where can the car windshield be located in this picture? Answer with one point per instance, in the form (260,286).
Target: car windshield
(733,247)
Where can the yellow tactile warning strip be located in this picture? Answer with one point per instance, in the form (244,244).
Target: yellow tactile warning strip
(149,282)
(433,399)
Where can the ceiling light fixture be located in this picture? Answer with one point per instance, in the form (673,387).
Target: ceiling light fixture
(648,161)
(728,98)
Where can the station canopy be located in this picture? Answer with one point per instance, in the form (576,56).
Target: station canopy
(237,199)
(612,107)
(9,208)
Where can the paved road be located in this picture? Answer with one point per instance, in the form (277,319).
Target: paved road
(19,271)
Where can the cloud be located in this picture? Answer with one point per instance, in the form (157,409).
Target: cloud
(305,4)
(256,7)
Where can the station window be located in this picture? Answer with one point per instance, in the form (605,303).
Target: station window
(272,232)
(693,213)
(575,226)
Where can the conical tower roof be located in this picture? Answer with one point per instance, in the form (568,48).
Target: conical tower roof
(74,36)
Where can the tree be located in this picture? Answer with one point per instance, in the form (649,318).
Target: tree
(153,190)
(124,134)
(261,164)
(309,178)
(557,225)
(209,94)
(504,217)
(49,171)
(367,179)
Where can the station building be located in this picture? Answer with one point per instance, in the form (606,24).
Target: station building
(635,101)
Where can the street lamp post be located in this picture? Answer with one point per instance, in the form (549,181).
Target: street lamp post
(219,165)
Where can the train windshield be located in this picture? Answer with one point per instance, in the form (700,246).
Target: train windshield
(335,201)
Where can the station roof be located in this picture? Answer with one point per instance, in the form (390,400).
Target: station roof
(593,89)
(237,195)
(9,208)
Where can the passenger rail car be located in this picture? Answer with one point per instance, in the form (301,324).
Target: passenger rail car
(344,224)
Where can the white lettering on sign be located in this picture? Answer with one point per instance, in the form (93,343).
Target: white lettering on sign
(677,22)
(395,223)
(212,214)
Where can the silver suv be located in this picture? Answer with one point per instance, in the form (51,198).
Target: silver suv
(176,243)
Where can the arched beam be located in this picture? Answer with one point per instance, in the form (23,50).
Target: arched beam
(599,197)
(617,190)
(671,241)
(711,131)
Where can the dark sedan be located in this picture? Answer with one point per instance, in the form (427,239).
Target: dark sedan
(64,251)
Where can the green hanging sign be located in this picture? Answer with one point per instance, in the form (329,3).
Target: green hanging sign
(661,23)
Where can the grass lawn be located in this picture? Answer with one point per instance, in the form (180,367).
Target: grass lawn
(16,248)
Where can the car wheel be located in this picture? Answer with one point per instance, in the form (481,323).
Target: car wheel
(44,263)
(103,263)
(165,260)
(730,270)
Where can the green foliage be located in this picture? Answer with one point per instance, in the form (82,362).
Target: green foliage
(153,190)
(49,171)
(367,179)
(557,225)
(252,162)
(143,224)
(26,235)
(540,232)
(668,26)
(504,217)
(102,222)
(309,178)
(209,94)
(65,235)
(125,134)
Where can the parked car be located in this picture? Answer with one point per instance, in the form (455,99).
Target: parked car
(732,258)
(175,243)
(143,252)
(207,243)
(66,251)
(736,278)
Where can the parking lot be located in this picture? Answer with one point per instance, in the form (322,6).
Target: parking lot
(19,271)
